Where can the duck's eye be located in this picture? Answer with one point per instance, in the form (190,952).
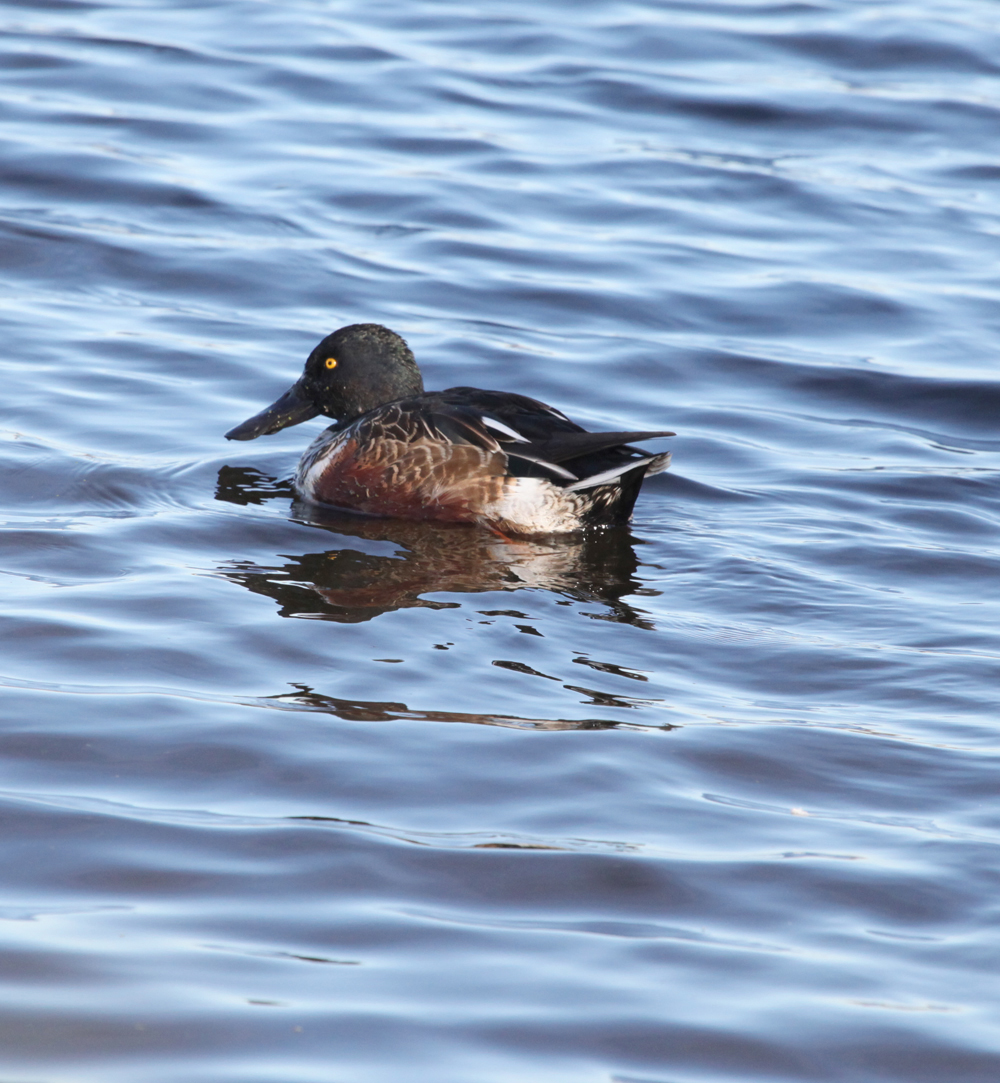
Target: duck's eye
(331,362)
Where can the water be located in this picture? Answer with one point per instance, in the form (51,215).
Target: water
(293,798)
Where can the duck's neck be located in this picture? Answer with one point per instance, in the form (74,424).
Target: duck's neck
(402,382)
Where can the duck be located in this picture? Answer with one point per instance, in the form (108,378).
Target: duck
(497,459)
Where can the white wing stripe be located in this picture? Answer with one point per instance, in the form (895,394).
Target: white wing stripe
(609,475)
(561,471)
(499,426)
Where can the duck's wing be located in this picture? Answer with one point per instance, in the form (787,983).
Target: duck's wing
(532,419)
(533,439)
(431,419)
(531,431)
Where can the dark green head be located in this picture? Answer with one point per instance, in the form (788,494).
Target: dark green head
(349,373)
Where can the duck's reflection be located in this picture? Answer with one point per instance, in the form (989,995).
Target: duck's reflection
(305,698)
(350,584)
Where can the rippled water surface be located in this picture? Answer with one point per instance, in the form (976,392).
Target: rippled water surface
(291,797)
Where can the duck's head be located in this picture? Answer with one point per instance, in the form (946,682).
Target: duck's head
(349,373)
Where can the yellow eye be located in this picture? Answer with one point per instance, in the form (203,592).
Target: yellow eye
(331,362)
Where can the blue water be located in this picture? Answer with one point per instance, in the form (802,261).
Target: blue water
(291,797)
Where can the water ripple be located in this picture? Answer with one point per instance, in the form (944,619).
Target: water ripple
(716,796)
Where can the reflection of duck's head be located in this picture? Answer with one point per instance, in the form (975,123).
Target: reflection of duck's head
(348,374)
(378,565)
(466,455)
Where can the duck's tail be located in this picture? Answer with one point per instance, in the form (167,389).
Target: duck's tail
(615,491)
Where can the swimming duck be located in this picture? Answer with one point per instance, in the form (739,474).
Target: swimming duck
(495,458)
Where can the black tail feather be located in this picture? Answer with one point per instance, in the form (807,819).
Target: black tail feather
(613,503)
(571,445)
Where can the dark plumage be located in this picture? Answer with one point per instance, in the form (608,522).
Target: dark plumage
(495,458)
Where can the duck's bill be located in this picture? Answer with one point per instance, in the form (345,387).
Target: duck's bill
(292,408)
